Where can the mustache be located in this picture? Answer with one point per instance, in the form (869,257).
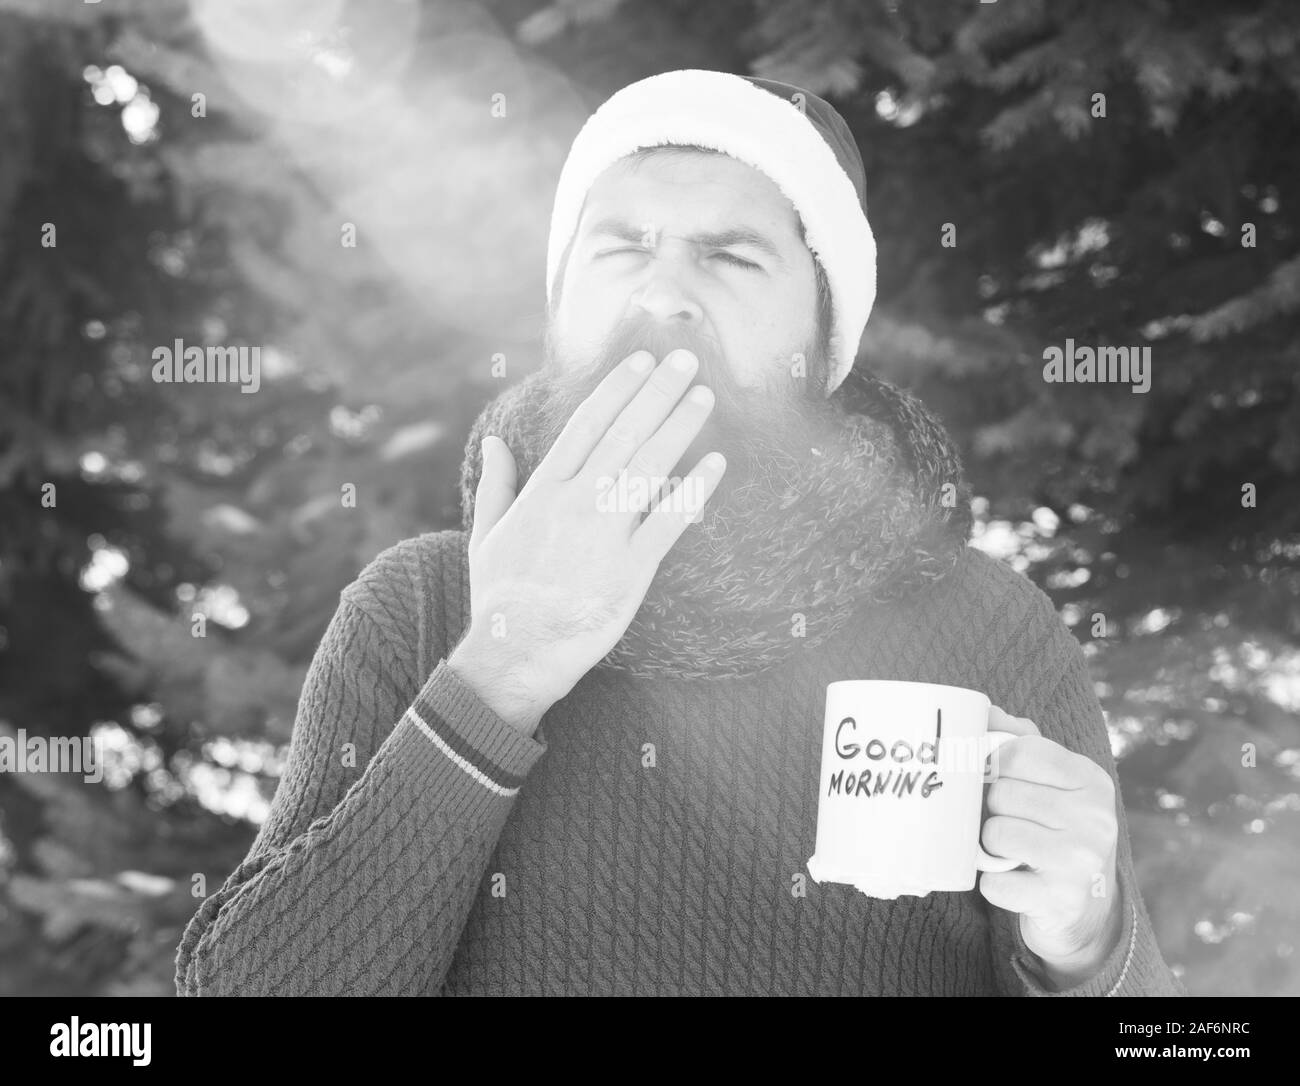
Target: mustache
(765,431)
(660,340)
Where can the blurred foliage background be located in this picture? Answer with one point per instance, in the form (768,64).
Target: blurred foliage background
(200,161)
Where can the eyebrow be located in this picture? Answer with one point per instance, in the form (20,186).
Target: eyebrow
(617,227)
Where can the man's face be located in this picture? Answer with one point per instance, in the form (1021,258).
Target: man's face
(698,251)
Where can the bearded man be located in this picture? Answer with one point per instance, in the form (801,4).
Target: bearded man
(586,729)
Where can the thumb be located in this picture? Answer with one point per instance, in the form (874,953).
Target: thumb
(496,488)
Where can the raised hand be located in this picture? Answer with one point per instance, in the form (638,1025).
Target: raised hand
(558,570)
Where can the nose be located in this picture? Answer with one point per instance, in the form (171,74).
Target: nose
(664,296)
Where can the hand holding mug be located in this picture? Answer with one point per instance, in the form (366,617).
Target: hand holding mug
(1054,811)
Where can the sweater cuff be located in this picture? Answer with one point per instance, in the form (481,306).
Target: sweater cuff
(459,750)
(1110,977)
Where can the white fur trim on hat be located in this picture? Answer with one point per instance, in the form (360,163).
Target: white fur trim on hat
(729,114)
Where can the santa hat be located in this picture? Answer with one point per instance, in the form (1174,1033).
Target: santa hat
(794,137)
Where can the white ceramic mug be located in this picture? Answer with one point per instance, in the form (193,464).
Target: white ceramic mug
(901,787)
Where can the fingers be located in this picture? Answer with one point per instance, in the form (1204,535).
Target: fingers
(594,416)
(646,474)
(496,489)
(638,422)
(1018,839)
(1022,892)
(1002,721)
(1033,802)
(1041,761)
(678,507)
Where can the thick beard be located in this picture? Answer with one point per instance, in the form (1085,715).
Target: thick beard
(768,434)
(842,510)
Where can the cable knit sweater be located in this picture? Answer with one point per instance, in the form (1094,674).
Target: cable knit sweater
(420,845)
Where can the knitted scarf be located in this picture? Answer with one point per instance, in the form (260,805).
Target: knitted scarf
(875,518)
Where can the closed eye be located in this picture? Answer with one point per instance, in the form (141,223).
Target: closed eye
(727,257)
(736,260)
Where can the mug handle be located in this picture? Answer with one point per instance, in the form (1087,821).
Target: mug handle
(985,861)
